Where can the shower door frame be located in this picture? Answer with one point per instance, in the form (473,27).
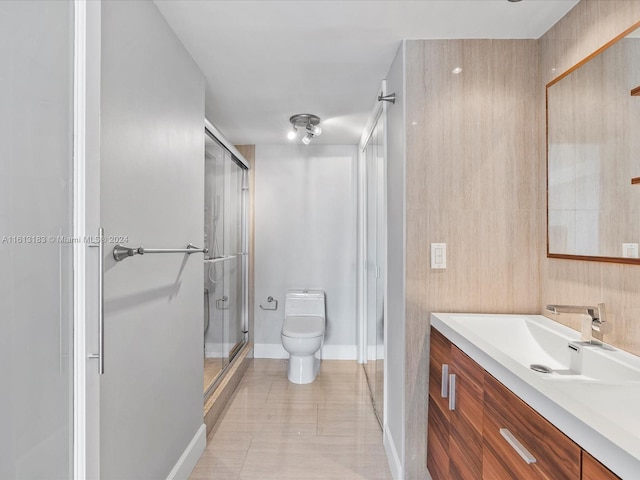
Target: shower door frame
(238,158)
(378,114)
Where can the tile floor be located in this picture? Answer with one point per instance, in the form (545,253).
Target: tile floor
(273,429)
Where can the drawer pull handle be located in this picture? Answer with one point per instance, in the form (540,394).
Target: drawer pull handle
(444,381)
(517,446)
(452,392)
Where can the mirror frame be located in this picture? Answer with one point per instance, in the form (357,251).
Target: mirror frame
(566,256)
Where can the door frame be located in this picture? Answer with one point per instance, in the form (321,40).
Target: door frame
(86,221)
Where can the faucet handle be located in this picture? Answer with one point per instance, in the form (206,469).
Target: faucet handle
(600,325)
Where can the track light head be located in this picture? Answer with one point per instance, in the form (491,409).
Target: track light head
(315,130)
(307,121)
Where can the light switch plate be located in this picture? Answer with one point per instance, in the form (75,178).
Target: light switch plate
(438,255)
(630,250)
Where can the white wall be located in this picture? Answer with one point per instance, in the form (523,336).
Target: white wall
(152,191)
(305,237)
(396,232)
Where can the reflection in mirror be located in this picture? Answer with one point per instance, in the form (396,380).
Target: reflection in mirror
(593,148)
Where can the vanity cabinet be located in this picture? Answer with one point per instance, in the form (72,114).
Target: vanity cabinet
(479,429)
(594,470)
(454,441)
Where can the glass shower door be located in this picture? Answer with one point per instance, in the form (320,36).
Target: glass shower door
(375,259)
(233,246)
(379,167)
(214,311)
(224,290)
(371,262)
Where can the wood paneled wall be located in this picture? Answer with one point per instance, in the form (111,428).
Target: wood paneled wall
(587,27)
(476,179)
(473,154)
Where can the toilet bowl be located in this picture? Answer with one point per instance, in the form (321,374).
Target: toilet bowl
(303,333)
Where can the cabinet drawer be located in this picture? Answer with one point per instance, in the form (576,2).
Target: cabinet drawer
(511,426)
(594,470)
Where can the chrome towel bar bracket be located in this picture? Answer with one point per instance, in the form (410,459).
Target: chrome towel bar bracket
(120,252)
(391,98)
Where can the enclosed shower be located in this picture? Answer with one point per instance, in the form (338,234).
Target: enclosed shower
(225,264)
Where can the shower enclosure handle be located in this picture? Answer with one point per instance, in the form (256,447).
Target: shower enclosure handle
(220,303)
(100,354)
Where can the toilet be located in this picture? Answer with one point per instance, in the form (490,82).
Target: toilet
(303,333)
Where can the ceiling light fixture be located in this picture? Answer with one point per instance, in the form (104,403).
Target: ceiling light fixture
(293,133)
(314,129)
(456,70)
(307,121)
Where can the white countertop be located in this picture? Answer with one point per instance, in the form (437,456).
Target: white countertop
(602,416)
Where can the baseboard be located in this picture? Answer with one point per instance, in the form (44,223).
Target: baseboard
(216,350)
(329,352)
(395,465)
(269,350)
(190,456)
(339,352)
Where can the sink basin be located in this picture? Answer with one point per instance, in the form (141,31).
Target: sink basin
(537,340)
(607,365)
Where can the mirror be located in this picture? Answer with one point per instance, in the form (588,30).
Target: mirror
(593,156)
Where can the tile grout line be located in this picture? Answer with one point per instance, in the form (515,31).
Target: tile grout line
(246,454)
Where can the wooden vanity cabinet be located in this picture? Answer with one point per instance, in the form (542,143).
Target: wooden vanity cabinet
(454,439)
(478,433)
(594,470)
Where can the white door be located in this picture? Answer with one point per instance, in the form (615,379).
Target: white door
(46,306)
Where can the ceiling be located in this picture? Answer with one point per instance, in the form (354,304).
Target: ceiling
(267,60)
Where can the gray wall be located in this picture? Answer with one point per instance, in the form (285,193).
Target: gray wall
(395,314)
(36,173)
(305,237)
(152,175)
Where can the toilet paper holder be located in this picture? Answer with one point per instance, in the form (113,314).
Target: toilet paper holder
(270,300)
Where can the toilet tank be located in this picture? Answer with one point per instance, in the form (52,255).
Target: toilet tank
(304,302)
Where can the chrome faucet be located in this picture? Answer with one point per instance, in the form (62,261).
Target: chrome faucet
(593,320)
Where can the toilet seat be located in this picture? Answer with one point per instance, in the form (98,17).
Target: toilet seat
(307,326)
